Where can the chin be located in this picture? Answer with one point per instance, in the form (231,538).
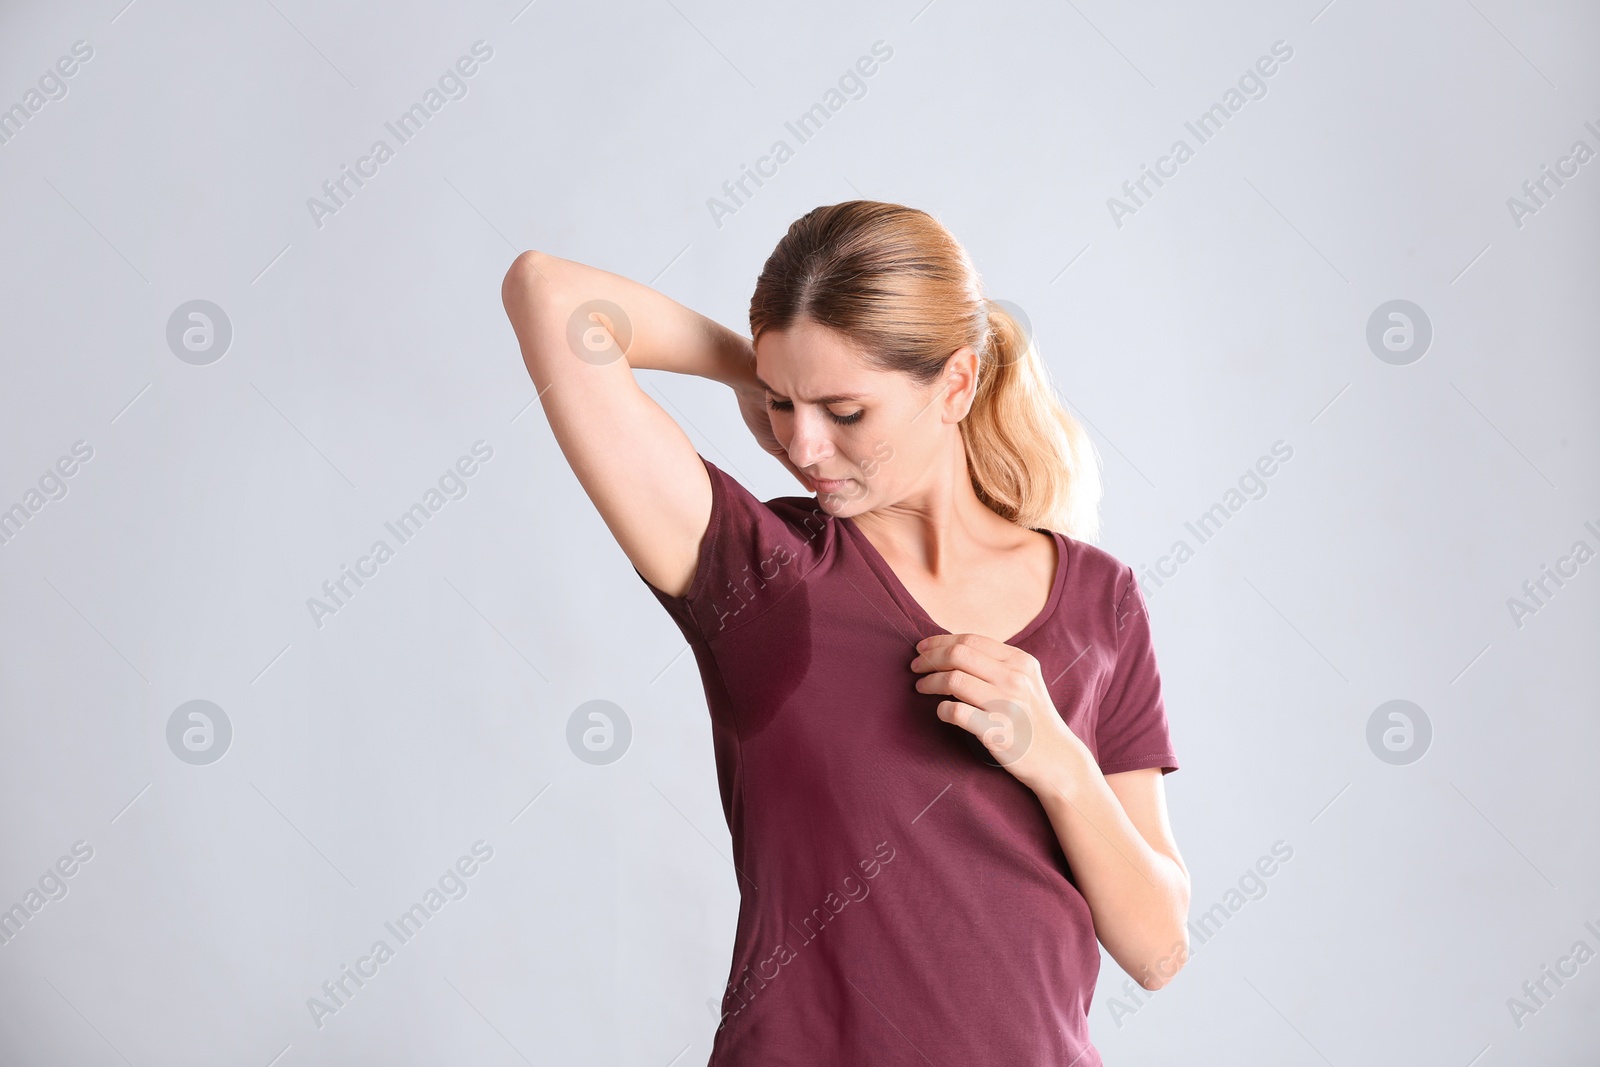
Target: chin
(840,504)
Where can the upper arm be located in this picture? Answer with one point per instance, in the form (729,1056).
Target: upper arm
(636,464)
(1142,794)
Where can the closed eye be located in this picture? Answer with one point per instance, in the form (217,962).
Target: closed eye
(842,420)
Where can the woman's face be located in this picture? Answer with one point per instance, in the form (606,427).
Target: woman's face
(865,437)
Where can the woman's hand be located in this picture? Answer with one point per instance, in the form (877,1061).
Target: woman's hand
(753,406)
(998,694)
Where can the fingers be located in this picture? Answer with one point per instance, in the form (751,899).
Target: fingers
(986,645)
(981,656)
(967,688)
(957,712)
(1003,727)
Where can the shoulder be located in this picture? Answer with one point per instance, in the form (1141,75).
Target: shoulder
(1102,590)
(1096,573)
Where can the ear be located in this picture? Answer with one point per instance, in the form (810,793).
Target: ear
(960,383)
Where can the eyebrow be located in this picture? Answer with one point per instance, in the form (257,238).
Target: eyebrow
(831,398)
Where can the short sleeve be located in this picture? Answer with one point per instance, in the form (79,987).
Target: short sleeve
(749,557)
(1131,728)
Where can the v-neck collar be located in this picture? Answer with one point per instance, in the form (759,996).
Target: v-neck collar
(918,614)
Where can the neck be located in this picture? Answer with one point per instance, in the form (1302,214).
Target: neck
(939,526)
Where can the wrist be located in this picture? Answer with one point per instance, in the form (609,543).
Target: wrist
(1069,773)
(734,361)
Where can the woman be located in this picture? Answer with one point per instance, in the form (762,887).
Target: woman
(938,724)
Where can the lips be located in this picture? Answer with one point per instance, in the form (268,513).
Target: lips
(831,485)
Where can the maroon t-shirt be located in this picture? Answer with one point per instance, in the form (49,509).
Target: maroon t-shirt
(904,899)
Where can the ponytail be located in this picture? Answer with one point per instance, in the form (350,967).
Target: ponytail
(1030,460)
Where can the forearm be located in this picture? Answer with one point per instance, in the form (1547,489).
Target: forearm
(659,333)
(1138,896)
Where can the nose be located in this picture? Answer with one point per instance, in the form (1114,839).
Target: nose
(809,443)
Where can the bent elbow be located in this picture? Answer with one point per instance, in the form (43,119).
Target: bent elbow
(533,277)
(521,276)
(1158,972)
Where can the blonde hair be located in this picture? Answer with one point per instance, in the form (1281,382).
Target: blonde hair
(895,283)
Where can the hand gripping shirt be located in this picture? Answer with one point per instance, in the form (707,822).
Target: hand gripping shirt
(903,898)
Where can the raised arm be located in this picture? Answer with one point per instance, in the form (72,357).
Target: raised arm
(640,469)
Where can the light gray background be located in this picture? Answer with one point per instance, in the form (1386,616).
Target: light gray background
(368,354)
